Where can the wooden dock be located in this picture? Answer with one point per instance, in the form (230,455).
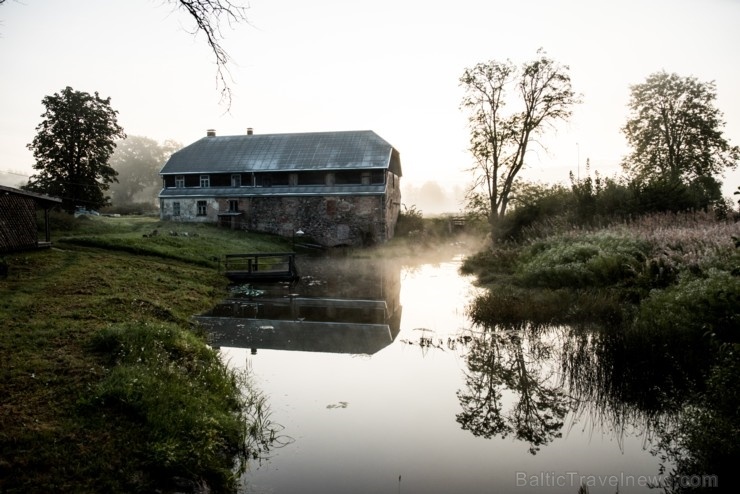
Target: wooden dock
(260,267)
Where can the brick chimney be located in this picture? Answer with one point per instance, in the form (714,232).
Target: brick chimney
(250,131)
(211,133)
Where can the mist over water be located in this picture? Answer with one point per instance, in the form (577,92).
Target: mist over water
(421,400)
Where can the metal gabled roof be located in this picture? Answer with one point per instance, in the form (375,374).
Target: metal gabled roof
(285,152)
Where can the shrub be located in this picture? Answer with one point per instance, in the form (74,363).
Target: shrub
(695,309)
(410,222)
(588,261)
(540,204)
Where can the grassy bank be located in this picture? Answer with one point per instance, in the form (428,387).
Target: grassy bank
(104,385)
(651,310)
(610,270)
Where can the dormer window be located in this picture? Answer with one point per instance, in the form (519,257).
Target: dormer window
(180,181)
(205,180)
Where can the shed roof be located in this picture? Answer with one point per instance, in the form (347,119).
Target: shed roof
(285,152)
(46,201)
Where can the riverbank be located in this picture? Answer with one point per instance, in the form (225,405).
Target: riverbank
(105,385)
(653,307)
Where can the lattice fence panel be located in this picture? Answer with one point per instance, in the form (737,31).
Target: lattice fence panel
(17,222)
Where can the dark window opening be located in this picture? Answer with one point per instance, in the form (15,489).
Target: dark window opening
(377,177)
(312,178)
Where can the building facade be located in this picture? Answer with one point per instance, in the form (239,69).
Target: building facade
(339,188)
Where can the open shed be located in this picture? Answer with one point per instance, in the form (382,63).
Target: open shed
(18,229)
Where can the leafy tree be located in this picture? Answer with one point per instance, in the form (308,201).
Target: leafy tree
(137,160)
(675,131)
(72,148)
(499,141)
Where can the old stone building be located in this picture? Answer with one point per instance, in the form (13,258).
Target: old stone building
(338,188)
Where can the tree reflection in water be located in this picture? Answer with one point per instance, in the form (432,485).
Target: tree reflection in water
(522,380)
(511,365)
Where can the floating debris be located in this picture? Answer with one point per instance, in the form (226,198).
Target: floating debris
(246,290)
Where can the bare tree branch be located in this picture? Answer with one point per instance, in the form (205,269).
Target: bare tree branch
(209,16)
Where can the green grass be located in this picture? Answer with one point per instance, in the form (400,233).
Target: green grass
(593,260)
(105,386)
(197,243)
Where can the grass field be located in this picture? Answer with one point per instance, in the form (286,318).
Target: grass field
(78,413)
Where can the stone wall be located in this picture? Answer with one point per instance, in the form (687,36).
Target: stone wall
(189,210)
(392,204)
(329,220)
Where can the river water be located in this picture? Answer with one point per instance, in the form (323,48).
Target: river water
(373,372)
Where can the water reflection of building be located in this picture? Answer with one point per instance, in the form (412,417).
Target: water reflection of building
(338,306)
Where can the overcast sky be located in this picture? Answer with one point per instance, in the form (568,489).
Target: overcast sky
(391,66)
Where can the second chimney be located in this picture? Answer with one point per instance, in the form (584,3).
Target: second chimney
(250,131)
(211,133)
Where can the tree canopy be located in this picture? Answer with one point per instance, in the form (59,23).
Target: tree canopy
(675,131)
(541,90)
(138,159)
(72,147)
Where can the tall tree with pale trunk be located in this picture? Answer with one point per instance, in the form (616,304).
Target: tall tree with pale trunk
(539,93)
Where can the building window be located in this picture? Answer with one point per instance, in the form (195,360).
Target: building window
(180,181)
(205,180)
(236,180)
(312,178)
(202,208)
(365,178)
(175,209)
(233,205)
